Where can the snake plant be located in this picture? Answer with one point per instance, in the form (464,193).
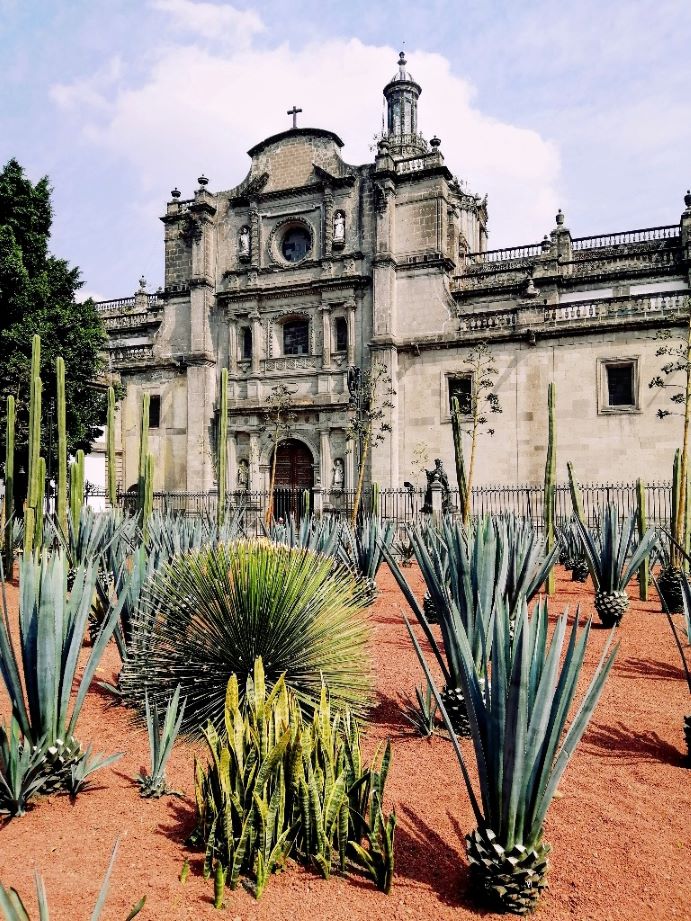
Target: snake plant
(521,744)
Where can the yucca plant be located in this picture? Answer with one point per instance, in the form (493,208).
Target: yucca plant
(22,774)
(362,545)
(209,615)
(39,678)
(161,741)
(611,564)
(13,908)
(521,745)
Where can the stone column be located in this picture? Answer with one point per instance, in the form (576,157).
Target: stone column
(232,346)
(350,306)
(325,461)
(232,461)
(255,483)
(254,235)
(350,465)
(256,341)
(328,221)
(326,335)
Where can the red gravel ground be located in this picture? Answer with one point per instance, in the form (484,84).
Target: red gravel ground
(619,828)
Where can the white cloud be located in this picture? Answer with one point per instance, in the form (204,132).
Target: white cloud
(217,21)
(198,110)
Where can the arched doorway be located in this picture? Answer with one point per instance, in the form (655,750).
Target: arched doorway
(294,475)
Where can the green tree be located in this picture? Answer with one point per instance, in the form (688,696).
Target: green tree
(37,295)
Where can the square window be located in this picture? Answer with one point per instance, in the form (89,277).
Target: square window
(296,338)
(618,387)
(462,389)
(154,411)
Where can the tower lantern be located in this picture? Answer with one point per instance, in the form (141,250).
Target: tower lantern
(402,93)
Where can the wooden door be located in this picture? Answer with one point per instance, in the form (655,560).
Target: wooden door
(294,475)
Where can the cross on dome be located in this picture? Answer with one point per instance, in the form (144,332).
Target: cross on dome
(294,112)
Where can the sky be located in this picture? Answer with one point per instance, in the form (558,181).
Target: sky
(582,105)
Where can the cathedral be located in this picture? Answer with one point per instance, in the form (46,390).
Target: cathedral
(312,267)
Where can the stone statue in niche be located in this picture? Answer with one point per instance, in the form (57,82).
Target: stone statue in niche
(243,475)
(339,227)
(338,475)
(244,242)
(438,475)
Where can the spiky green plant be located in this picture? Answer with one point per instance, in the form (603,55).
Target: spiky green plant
(110,449)
(208,615)
(550,482)
(277,783)
(321,535)
(611,564)
(40,678)
(8,502)
(222,462)
(529,559)
(421,713)
(161,741)
(521,745)
(22,774)
(362,545)
(13,908)
(77,489)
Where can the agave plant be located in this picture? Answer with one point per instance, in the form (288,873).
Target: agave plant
(527,562)
(321,535)
(362,545)
(611,565)
(39,678)
(208,615)
(521,745)
(13,908)
(421,713)
(465,574)
(22,773)
(161,741)
(81,771)
(572,554)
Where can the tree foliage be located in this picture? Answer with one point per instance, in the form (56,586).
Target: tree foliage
(37,295)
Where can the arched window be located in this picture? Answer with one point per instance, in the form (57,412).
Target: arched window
(296,334)
(341,334)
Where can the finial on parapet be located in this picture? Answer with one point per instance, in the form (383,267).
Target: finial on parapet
(142,284)
(687,199)
(203,181)
(175,193)
(560,218)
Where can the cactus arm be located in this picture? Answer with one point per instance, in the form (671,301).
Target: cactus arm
(576,497)
(61,504)
(550,482)
(8,506)
(642,522)
(110,449)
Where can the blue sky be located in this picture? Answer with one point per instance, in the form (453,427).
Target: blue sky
(580,105)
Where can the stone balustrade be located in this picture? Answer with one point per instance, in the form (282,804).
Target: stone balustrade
(640,306)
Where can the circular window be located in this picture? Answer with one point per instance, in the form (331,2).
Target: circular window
(296,244)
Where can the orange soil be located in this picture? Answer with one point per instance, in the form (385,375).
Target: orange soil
(619,828)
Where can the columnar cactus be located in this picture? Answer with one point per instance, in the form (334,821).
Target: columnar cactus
(110,449)
(143,450)
(61,503)
(222,449)
(148,500)
(550,482)
(35,390)
(8,506)
(642,521)
(76,490)
(576,497)
(459,457)
(375,501)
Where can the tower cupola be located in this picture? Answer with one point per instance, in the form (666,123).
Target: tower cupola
(402,94)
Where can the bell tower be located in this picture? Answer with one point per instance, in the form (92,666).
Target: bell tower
(402,94)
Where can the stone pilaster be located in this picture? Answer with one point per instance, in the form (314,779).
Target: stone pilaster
(232,461)
(350,307)
(326,335)
(328,222)
(350,464)
(255,481)
(232,346)
(325,462)
(256,341)
(254,235)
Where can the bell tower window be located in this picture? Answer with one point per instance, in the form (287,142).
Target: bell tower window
(296,337)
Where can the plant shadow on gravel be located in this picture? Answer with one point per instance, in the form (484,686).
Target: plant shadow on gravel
(646,668)
(423,856)
(617,740)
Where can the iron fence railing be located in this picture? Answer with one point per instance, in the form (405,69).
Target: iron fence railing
(406,505)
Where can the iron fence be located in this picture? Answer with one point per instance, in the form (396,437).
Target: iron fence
(406,505)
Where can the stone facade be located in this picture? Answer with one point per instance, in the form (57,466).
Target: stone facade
(311,266)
